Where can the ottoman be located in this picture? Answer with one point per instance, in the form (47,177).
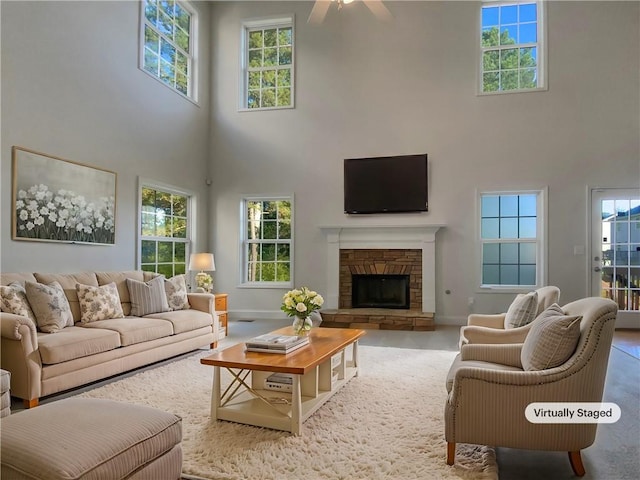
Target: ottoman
(5,396)
(85,438)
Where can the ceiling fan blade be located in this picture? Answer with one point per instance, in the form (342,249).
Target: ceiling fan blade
(379,10)
(319,11)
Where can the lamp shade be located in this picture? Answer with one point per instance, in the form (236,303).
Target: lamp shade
(202,262)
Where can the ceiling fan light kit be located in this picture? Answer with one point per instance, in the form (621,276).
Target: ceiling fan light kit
(321,7)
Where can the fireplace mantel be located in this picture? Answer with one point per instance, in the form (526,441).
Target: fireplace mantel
(421,237)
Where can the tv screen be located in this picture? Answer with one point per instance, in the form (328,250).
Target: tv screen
(386,184)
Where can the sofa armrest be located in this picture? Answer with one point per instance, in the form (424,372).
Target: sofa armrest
(503,354)
(17,327)
(490,321)
(205,302)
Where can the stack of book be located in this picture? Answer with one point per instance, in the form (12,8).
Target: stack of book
(272,343)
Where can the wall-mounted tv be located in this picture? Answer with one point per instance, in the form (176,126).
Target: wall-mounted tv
(386,184)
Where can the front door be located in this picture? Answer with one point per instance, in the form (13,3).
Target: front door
(615,251)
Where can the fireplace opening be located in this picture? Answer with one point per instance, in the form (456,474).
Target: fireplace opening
(380,291)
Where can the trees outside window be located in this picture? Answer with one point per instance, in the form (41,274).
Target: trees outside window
(165,233)
(167,44)
(268,241)
(511,44)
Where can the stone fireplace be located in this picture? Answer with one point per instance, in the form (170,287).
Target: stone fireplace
(384,255)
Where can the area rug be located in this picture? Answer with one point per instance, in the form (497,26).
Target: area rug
(387,423)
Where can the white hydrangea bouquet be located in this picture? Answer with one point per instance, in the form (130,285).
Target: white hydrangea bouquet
(299,303)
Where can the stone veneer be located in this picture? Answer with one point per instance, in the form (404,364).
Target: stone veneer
(380,262)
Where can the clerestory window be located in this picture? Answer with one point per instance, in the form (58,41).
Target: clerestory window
(512,53)
(267,63)
(168,43)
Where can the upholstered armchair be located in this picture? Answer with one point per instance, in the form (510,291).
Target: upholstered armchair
(490,386)
(494,328)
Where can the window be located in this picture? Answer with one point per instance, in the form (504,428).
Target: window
(165,232)
(511,47)
(267,64)
(268,241)
(168,43)
(512,239)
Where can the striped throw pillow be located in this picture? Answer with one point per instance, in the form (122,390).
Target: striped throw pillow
(147,297)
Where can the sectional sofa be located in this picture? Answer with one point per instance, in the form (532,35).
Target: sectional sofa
(44,363)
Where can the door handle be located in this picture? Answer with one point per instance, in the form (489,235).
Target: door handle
(596,269)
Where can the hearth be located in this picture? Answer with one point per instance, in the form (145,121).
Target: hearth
(380,291)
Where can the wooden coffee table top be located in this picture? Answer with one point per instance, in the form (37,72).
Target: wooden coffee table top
(323,343)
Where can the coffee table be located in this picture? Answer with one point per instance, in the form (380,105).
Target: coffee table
(319,370)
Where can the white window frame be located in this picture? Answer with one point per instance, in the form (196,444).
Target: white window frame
(541,240)
(191,215)
(281,21)
(192,55)
(541,46)
(244,261)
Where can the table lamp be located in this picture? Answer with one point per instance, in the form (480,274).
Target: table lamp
(202,262)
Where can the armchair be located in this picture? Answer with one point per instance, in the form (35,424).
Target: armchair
(483,328)
(489,389)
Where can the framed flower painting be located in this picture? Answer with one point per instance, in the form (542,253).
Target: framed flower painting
(57,200)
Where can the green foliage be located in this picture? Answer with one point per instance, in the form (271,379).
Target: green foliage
(506,68)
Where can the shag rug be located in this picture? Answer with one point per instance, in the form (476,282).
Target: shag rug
(387,423)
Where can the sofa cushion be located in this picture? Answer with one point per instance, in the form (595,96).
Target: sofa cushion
(133,329)
(99,303)
(522,310)
(147,297)
(50,306)
(185,320)
(75,342)
(13,299)
(68,282)
(176,290)
(9,278)
(552,339)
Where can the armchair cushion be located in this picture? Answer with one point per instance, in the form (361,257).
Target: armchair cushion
(523,310)
(552,339)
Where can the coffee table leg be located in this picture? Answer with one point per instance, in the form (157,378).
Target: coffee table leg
(355,357)
(296,406)
(215,393)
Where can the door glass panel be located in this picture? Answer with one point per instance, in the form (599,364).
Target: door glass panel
(620,242)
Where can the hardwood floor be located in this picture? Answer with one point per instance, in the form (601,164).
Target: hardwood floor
(628,341)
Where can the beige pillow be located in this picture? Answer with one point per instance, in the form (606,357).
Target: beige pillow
(98,303)
(49,305)
(147,297)
(552,339)
(176,290)
(522,310)
(13,299)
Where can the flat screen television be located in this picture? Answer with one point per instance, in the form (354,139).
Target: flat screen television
(385,184)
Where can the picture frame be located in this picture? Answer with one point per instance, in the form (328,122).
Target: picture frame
(58,200)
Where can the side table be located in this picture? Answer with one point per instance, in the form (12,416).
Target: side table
(221,310)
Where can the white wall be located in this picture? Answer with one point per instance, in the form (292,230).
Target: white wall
(71,87)
(367,88)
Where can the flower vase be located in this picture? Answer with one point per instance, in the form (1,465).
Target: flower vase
(302,326)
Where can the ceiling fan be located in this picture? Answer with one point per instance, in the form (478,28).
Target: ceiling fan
(320,8)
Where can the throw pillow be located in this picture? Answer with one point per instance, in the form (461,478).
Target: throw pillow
(147,297)
(552,339)
(176,290)
(98,303)
(522,310)
(13,299)
(49,305)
